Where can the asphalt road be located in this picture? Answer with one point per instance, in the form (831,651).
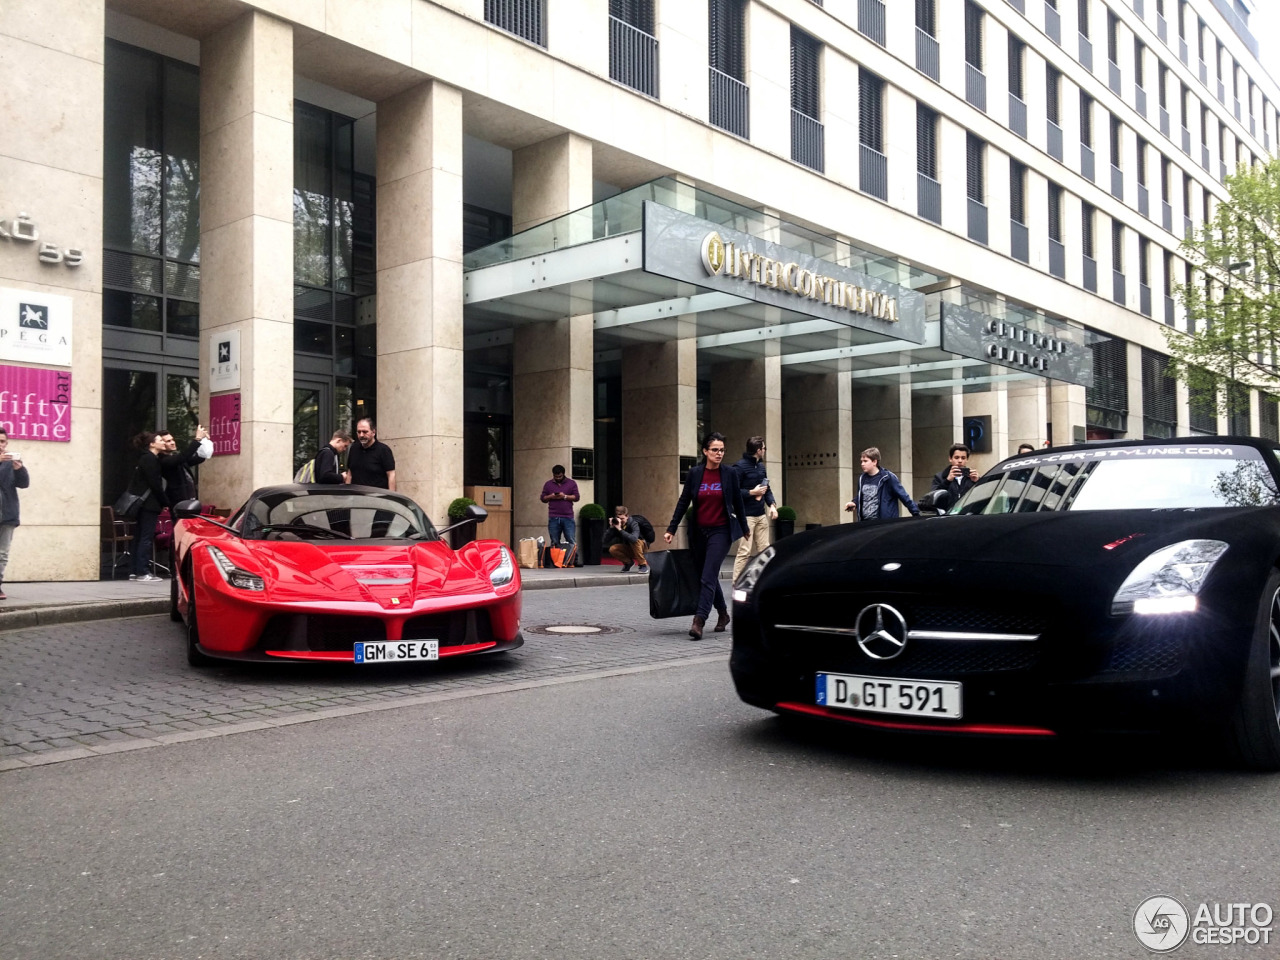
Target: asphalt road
(631,811)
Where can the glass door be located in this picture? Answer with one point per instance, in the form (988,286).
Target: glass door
(142,397)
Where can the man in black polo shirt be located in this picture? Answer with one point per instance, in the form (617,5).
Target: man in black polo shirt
(370,462)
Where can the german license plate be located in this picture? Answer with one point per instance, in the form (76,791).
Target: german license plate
(387,652)
(905,698)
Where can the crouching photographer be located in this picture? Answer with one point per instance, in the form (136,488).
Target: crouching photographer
(623,540)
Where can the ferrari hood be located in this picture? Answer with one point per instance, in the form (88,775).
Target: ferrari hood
(391,576)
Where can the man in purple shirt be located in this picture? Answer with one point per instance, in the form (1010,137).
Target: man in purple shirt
(560,494)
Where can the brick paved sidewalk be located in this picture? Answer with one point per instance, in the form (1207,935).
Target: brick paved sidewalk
(92,689)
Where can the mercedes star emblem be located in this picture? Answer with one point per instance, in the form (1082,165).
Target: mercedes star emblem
(882,631)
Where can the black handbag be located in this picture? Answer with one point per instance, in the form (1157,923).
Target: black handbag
(674,583)
(128,505)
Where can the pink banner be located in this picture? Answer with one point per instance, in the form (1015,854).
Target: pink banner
(224,423)
(35,404)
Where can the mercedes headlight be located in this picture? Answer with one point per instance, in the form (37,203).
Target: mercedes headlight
(1169,579)
(235,576)
(747,582)
(504,571)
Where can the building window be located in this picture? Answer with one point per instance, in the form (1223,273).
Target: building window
(334,268)
(1107,401)
(975,172)
(1159,397)
(1082,18)
(151,193)
(730,102)
(1139,63)
(1116,144)
(806,129)
(928,189)
(633,49)
(527,19)
(973,34)
(1017,192)
(1087,216)
(976,186)
(1017,56)
(1113,38)
(1055,212)
(1053,92)
(1268,417)
(873,169)
(927,17)
(1086,119)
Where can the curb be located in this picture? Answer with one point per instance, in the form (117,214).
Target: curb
(53,614)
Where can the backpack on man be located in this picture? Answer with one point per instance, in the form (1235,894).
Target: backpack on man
(646,529)
(306,473)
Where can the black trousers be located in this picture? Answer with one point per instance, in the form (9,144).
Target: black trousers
(710,546)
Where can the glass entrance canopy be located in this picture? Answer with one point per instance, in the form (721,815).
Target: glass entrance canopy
(592,262)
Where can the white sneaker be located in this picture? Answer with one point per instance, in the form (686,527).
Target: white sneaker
(133,576)
(146,578)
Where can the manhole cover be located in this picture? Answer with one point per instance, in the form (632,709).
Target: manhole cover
(573,629)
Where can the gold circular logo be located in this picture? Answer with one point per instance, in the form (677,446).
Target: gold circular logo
(713,253)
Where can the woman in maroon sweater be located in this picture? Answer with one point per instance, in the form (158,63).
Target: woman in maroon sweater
(719,518)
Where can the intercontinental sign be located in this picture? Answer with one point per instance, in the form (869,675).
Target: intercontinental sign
(726,259)
(688,248)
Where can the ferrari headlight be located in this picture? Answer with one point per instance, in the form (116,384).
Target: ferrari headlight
(235,576)
(1169,579)
(746,583)
(504,571)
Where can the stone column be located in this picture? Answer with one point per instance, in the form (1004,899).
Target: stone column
(821,460)
(994,403)
(684,79)
(246,242)
(51,70)
(1066,413)
(1133,369)
(420,291)
(746,401)
(1028,414)
(939,419)
(659,425)
(553,394)
(882,417)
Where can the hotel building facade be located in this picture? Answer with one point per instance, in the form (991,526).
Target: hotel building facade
(527,232)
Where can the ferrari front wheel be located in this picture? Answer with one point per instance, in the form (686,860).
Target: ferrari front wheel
(1256,722)
(194,656)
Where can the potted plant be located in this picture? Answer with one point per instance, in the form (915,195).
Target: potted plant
(457,513)
(785,525)
(591,520)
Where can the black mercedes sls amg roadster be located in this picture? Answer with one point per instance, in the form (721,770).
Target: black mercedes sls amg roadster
(1131,585)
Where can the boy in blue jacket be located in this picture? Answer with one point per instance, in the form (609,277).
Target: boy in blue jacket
(879,491)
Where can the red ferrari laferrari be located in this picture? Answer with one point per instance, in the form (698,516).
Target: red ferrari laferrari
(338,573)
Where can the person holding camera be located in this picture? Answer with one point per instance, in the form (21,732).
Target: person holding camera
(759,501)
(624,542)
(958,476)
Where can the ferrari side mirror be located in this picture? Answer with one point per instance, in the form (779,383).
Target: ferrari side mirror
(187,509)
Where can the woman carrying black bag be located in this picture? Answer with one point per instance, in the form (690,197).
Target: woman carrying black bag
(148,483)
(718,519)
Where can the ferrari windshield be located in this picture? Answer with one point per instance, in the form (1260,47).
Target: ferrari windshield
(305,515)
(1165,476)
